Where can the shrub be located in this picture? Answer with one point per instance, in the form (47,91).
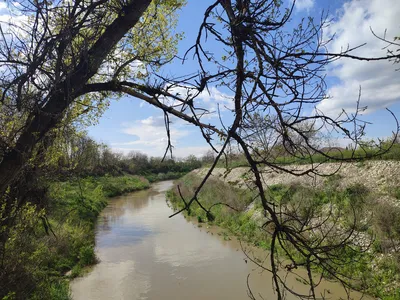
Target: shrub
(387,218)
(87,256)
(396,192)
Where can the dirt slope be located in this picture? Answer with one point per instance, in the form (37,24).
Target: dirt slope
(381,177)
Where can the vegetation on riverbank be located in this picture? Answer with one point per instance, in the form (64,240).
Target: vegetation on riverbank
(47,243)
(164,176)
(377,268)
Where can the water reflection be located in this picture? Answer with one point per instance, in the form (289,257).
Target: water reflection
(146,255)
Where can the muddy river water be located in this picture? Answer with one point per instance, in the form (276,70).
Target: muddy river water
(145,255)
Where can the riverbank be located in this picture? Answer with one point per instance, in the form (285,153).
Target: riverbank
(146,255)
(378,268)
(48,247)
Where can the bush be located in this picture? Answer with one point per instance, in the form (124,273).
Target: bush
(396,192)
(387,218)
(87,256)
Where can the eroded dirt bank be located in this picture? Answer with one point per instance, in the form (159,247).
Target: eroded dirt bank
(381,177)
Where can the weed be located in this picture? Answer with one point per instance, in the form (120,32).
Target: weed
(87,256)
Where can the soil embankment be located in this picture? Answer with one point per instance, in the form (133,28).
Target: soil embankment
(381,177)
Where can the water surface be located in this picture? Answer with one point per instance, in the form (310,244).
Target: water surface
(145,255)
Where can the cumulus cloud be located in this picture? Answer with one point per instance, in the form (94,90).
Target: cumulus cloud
(4,5)
(151,132)
(150,137)
(153,121)
(214,97)
(379,82)
(12,21)
(304,4)
(6,19)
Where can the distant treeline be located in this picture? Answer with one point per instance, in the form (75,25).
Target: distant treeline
(385,150)
(373,151)
(83,156)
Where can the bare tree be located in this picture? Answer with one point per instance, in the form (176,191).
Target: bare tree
(73,55)
(275,74)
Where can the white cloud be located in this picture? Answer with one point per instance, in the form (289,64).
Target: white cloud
(379,81)
(304,4)
(214,97)
(197,151)
(7,19)
(153,121)
(151,132)
(150,136)
(13,21)
(3,4)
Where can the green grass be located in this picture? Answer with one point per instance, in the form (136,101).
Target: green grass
(115,186)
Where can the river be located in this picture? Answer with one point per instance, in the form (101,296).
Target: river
(145,255)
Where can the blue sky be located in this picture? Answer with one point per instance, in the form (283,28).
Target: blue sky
(130,124)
